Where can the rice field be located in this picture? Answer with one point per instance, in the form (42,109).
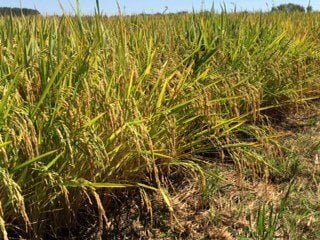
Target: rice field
(98,111)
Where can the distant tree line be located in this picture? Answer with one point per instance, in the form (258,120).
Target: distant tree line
(5,11)
(290,7)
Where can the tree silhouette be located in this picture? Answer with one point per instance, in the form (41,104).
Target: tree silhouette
(5,11)
(290,7)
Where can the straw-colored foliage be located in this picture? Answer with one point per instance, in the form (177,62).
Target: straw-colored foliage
(92,107)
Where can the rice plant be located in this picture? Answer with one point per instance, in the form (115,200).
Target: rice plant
(92,107)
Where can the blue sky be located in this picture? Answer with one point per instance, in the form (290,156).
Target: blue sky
(109,7)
